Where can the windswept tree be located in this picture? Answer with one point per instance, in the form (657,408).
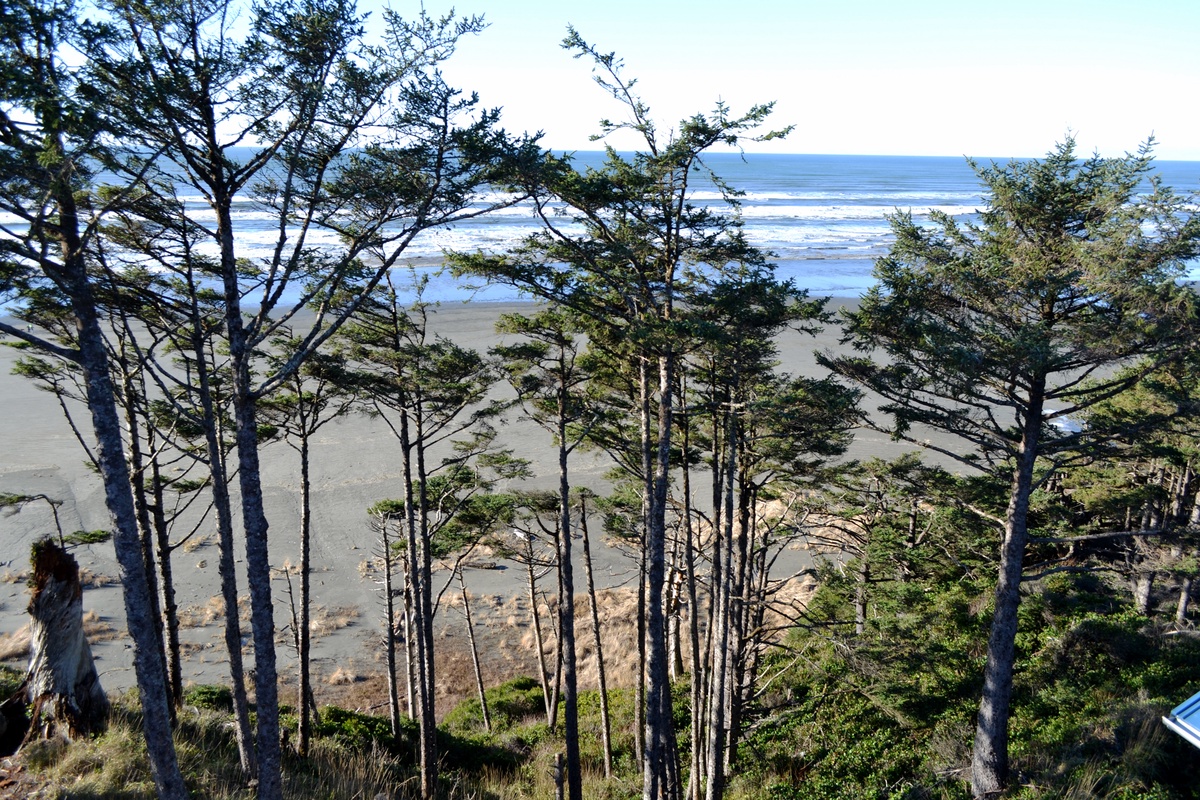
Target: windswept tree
(638,242)
(353,149)
(50,149)
(432,394)
(545,370)
(997,329)
(310,398)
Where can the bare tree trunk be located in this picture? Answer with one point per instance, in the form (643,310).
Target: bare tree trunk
(424,594)
(606,725)
(538,642)
(860,595)
(225,548)
(1143,590)
(697,673)
(661,779)
(170,608)
(389,635)
(674,612)
(304,638)
(1185,599)
(147,657)
(989,760)
(61,684)
(137,475)
(720,633)
(254,520)
(566,611)
(483,705)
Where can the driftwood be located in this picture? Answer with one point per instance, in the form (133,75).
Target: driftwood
(61,685)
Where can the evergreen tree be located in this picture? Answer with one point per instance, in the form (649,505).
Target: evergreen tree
(996,329)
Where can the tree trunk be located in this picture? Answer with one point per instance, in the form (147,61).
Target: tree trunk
(61,684)
(860,594)
(170,608)
(720,634)
(225,548)
(424,595)
(254,519)
(605,724)
(483,705)
(662,768)
(689,559)
(137,482)
(304,638)
(1143,589)
(147,656)
(1185,599)
(566,610)
(989,760)
(538,642)
(389,634)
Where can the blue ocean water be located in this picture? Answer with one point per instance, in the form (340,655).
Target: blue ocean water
(822,217)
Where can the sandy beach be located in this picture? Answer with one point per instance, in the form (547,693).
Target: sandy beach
(355,464)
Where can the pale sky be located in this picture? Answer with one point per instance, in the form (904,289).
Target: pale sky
(941,77)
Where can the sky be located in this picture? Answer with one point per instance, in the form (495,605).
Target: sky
(936,77)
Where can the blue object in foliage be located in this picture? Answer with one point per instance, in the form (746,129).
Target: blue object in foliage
(1184,719)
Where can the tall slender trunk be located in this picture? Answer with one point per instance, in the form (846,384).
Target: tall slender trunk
(170,607)
(689,561)
(739,613)
(137,476)
(989,760)
(254,519)
(225,548)
(605,724)
(483,704)
(639,693)
(429,765)
(147,652)
(719,636)
(566,609)
(539,643)
(661,779)
(415,501)
(304,638)
(389,636)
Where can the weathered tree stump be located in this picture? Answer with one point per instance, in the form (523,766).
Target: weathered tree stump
(62,684)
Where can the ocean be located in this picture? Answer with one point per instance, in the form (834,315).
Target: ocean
(822,217)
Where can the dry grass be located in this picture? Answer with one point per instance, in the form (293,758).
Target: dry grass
(194,543)
(199,616)
(95,580)
(15,577)
(370,567)
(324,620)
(343,677)
(15,645)
(97,629)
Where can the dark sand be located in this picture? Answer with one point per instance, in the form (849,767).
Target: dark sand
(356,463)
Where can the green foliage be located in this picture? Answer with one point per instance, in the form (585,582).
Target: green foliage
(891,713)
(365,732)
(87,537)
(510,704)
(11,679)
(210,696)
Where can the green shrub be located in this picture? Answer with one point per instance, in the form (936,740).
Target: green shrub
(216,698)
